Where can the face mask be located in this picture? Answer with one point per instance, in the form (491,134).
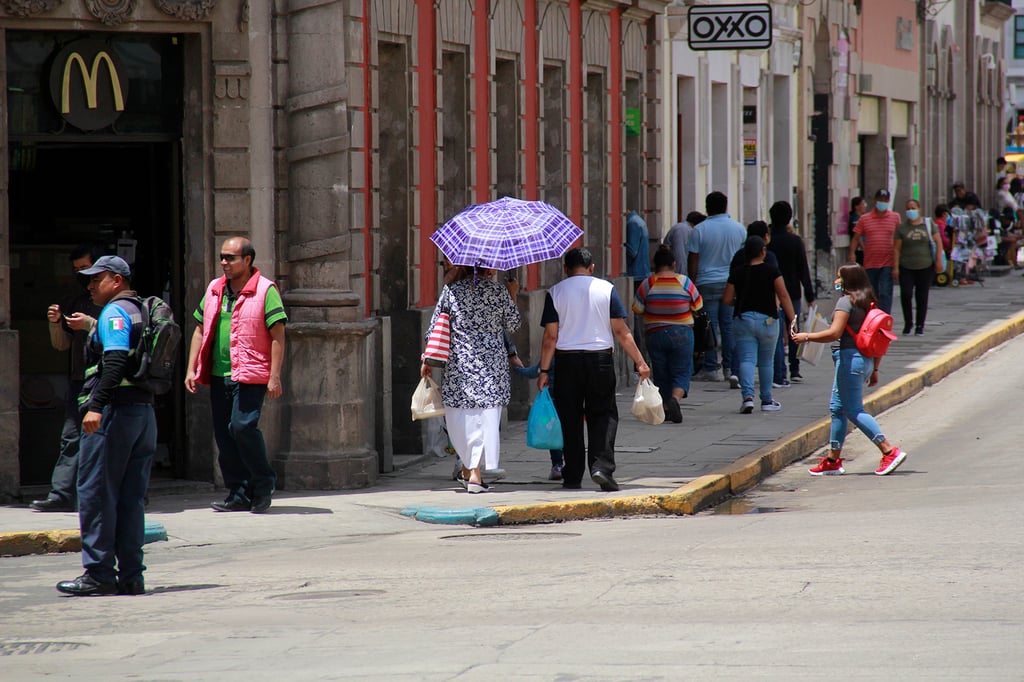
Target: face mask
(839,286)
(882,205)
(1006,188)
(912,214)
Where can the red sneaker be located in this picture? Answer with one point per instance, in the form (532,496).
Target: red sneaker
(828,467)
(890,462)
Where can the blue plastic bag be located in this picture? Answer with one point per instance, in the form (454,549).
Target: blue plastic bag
(543,429)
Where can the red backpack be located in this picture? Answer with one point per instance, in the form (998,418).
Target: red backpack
(875,333)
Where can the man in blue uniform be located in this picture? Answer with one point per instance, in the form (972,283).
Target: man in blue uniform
(118,443)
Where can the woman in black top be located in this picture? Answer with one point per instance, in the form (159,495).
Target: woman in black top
(756,291)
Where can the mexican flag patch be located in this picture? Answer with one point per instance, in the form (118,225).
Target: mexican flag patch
(116,324)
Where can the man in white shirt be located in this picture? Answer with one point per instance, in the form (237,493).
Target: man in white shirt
(583,317)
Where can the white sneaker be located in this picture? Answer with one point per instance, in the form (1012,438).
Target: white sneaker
(748,406)
(771,406)
(734,381)
(712,375)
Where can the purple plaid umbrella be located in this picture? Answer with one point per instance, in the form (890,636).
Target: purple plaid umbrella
(505,234)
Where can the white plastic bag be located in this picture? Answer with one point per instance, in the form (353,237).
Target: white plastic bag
(426,400)
(647,404)
(812,351)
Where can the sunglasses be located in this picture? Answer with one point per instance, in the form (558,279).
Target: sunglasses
(229,257)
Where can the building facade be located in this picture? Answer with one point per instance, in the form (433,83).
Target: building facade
(731,118)
(337,135)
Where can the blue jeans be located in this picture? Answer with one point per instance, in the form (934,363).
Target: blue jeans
(671,351)
(721,320)
(881,282)
(756,334)
(852,372)
(113,475)
(242,456)
(781,348)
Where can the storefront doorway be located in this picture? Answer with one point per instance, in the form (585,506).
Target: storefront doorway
(115,182)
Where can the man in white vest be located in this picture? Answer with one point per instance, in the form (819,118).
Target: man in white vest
(583,317)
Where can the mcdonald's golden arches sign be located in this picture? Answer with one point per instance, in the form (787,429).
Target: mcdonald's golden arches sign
(88,84)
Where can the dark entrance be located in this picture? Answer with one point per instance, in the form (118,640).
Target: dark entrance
(118,186)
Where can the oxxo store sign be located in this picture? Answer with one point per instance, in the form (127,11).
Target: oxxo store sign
(88,84)
(730,27)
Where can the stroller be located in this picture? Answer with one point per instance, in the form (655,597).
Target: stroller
(973,247)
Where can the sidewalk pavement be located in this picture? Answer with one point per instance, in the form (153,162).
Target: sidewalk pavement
(667,469)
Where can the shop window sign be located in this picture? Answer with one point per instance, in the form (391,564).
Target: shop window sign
(88,84)
(73,84)
(632,122)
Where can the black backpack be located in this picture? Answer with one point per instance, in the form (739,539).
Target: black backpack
(151,361)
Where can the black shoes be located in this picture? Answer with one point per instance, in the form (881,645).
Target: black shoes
(132,587)
(607,483)
(52,504)
(237,503)
(672,411)
(260,504)
(233,504)
(85,586)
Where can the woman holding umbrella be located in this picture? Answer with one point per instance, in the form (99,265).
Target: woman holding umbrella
(500,235)
(476,381)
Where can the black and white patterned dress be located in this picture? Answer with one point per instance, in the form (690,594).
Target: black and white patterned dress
(477,375)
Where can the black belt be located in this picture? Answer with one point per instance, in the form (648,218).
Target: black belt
(606,351)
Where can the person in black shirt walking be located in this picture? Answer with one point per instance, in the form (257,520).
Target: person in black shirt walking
(791,255)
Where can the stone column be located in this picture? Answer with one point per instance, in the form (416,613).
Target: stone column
(330,375)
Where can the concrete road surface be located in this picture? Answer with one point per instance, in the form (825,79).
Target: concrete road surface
(915,576)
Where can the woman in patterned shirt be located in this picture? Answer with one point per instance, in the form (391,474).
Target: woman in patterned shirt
(476,380)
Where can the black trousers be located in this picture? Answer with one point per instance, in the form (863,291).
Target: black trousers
(586,388)
(914,286)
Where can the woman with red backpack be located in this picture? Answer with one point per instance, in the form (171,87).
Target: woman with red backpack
(852,371)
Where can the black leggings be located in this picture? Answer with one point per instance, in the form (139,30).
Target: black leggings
(914,286)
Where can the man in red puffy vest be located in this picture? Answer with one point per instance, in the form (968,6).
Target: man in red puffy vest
(237,350)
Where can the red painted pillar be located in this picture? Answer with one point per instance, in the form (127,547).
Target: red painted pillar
(615,92)
(531,115)
(482,99)
(427,148)
(576,85)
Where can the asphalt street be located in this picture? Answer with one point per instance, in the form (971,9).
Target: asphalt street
(914,576)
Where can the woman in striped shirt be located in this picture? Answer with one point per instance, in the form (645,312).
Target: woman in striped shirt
(667,301)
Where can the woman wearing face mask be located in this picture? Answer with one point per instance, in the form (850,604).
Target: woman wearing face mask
(916,246)
(846,404)
(1004,196)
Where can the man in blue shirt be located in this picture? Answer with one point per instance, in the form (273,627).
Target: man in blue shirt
(118,443)
(638,265)
(712,245)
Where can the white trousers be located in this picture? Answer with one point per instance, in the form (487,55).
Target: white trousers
(474,435)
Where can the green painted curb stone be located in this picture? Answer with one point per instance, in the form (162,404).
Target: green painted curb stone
(155,532)
(473,516)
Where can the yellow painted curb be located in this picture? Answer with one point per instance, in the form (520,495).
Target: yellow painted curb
(746,472)
(40,542)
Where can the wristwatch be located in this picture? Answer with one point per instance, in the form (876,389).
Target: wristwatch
(543,371)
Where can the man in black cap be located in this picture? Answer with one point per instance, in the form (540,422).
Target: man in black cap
(118,443)
(875,232)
